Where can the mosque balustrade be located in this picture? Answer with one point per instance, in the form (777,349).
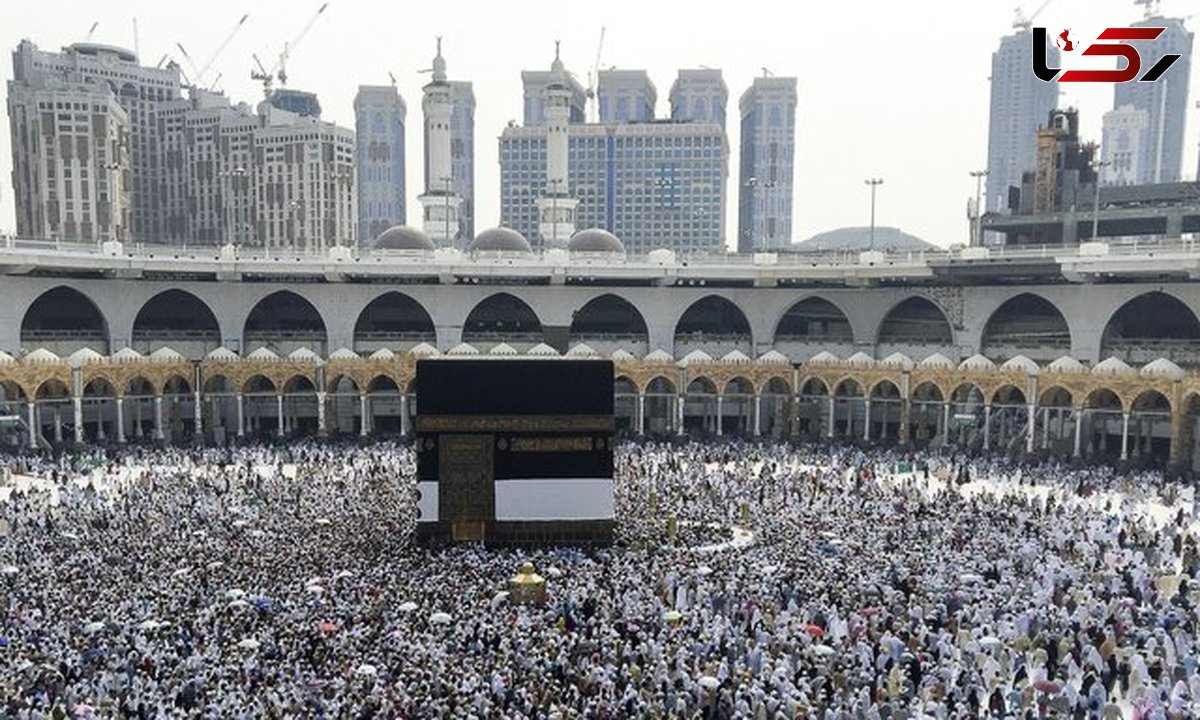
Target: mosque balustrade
(1125,415)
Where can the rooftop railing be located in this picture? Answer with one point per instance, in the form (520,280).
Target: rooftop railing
(1119,247)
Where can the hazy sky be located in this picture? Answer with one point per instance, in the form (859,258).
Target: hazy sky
(897,90)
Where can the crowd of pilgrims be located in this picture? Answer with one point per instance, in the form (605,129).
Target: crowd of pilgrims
(284,582)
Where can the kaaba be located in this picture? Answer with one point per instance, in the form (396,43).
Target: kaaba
(515,452)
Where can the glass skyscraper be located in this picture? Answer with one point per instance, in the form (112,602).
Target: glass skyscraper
(1020,104)
(768,149)
(1160,142)
(654,185)
(379,114)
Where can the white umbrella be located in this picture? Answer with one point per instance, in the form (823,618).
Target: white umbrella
(553,572)
(10,570)
(70,536)
(343,575)
(249,644)
(148,625)
(970,578)
(238,605)
(367,670)
(315,589)
(709,682)
(769,569)
(704,570)
(822,650)
(407,606)
(93,627)
(322,521)
(499,598)
(257,534)
(181,572)
(990,641)
(235,594)
(240,523)
(215,565)
(199,533)
(440,618)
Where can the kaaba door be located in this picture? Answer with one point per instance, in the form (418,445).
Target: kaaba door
(466,484)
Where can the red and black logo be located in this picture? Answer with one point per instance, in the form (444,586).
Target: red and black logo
(1114,46)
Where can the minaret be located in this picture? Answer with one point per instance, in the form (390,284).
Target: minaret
(556,209)
(439,201)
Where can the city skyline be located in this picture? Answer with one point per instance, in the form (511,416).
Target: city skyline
(893,122)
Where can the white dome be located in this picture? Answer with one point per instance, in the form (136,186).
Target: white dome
(166,354)
(774,357)
(659,355)
(623,355)
(735,356)
(860,358)
(899,360)
(42,355)
(383,354)
(128,354)
(824,358)
(344,354)
(503,350)
(263,353)
(977,362)
(83,356)
(1022,363)
(1111,366)
(1066,364)
(583,350)
(1164,367)
(542,350)
(936,360)
(424,349)
(304,355)
(463,349)
(695,356)
(223,354)
(500,239)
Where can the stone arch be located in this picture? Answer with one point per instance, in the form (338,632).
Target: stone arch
(714,324)
(607,322)
(63,320)
(284,321)
(1152,325)
(177,319)
(393,320)
(1026,324)
(814,319)
(916,320)
(662,402)
(502,317)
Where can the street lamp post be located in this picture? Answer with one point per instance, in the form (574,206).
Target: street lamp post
(1096,200)
(979,175)
(873,183)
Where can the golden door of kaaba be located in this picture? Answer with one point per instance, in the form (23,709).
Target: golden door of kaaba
(467,494)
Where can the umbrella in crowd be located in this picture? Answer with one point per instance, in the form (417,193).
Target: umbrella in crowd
(866,585)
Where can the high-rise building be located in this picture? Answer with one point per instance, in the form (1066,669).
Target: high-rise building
(462,155)
(303,182)
(70,160)
(141,91)
(768,149)
(1124,132)
(301,102)
(654,185)
(535,83)
(1020,104)
(379,114)
(699,96)
(625,96)
(1160,143)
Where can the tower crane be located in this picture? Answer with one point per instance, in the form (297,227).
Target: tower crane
(220,49)
(1021,22)
(279,70)
(91,30)
(594,77)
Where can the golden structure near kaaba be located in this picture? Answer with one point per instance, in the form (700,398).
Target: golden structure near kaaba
(527,587)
